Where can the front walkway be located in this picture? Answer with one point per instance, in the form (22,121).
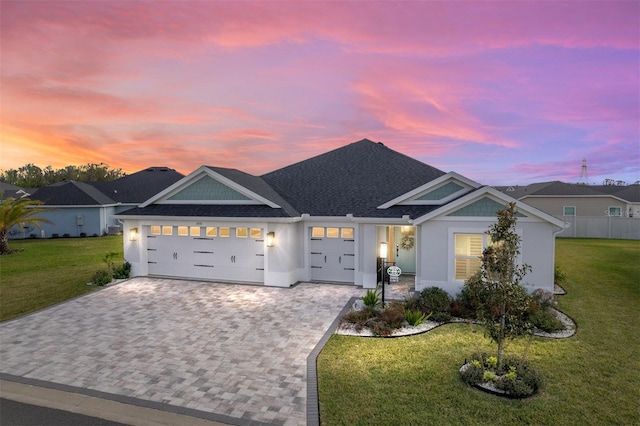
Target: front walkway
(233,350)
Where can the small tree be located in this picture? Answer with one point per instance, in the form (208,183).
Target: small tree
(17,212)
(503,310)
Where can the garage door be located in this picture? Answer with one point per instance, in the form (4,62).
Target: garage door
(206,252)
(332,254)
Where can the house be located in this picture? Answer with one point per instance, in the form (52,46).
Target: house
(12,191)
(596,211)
(80,209)
(330,218)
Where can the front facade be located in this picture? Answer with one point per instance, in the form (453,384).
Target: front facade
(326,219)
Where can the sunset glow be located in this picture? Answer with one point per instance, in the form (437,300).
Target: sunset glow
(501,92)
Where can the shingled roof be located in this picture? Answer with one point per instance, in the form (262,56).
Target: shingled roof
(353,179)
(71,193)
(140,186)
(629,193)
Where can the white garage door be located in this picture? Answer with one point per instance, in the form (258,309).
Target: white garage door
(209,252)
(332,254)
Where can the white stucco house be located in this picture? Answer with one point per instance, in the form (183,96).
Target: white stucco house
(325,219)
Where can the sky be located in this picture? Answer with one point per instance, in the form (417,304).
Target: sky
(503,93)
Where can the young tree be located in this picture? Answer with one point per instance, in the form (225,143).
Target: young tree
(505,302)
(20,211)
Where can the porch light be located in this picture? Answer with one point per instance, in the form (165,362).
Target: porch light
(383,250)
(133,234)
(271,239)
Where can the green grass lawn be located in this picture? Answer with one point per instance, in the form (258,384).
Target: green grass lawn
(592,378)
(50,271)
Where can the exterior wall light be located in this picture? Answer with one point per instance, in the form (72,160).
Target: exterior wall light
(271,239)
(133,234)
(383,250)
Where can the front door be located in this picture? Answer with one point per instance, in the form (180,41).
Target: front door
(404,238)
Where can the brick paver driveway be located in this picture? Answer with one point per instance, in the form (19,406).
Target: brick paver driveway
(233,350)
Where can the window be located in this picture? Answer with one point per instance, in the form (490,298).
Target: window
(183,231)
(615,211)
(212,231)
(241,233)
(225,231)
(155,230)
(194,231)
(317,232)
(346,232)
(468,249)
(256,233)
(333,232)
(167,230)
(569,211)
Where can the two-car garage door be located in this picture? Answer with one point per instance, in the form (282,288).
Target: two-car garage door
(206,252)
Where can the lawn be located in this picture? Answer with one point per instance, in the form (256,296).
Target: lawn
(50,271)
(590,379)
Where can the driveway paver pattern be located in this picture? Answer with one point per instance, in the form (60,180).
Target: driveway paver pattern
(234,350)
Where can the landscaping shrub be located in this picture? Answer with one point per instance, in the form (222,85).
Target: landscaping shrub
(415,318)
(122,272)
(393,315)
(545,320)
(372,298)
(434,301)
(102,277)
(359,318)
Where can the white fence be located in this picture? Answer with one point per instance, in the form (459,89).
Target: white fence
(624,228)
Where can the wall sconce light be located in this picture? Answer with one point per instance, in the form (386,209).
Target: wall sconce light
(133,234)
(383,250)
(271,239)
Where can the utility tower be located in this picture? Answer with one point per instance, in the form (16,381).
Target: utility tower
(584,177)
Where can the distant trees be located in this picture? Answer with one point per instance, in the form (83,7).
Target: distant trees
(32,176)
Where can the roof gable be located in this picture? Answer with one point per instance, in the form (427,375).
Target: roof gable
(485,202)
(437,192)
(215,186)
(207,188)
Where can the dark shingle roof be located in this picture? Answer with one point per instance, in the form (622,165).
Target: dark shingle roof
(71,193)
(629,193)
(353,179)
(140,186)
(206,210)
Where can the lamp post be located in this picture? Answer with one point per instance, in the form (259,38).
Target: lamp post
(383,257)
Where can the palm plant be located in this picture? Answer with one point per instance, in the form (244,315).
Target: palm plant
(17,212)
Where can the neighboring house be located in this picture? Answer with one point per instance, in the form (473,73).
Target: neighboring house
(327,219)
(11,191)
(86,209)
(590,209)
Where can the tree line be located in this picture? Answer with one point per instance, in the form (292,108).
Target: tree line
(32,176)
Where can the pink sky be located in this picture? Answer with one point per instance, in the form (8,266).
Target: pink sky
(501,92)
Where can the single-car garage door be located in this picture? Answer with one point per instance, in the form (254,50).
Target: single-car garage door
(206,252)
(332,254)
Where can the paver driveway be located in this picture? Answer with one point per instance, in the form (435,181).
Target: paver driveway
(234,350)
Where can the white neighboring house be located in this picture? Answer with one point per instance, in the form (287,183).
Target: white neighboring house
(325,219)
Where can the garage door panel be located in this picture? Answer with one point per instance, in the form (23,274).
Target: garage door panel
(331,259)
(215,258)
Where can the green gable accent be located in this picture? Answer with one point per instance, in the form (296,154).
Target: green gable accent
(208,189)
(485,207)
(442,192)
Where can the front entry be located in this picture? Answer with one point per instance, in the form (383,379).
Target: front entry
(332,254)
(404,241)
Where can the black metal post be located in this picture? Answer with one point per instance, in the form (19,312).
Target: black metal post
(383,271)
